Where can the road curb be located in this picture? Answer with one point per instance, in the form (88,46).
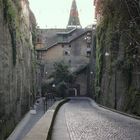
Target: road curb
(120,112)
(43,128)
(116,111)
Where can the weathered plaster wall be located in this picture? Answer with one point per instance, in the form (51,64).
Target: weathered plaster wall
(74,53)
(78,55)
(17,65)
(53,54)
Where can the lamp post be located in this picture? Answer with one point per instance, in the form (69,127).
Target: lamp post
(52,95)
(115,105)
(106,54)
(91,72)
(53,85)
(115,85)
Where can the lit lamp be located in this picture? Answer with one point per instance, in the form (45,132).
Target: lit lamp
(106,54)
(115,86)
(91,72)
(53,85)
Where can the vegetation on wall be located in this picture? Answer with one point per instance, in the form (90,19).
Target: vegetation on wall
(118,31)
(34,32)
(99,61)
(15,94)
(12,19)
(0,3)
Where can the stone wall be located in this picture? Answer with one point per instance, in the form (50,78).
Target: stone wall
(17,65)
(118,56)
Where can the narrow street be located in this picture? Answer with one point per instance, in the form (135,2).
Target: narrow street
(55,55)
(81,120)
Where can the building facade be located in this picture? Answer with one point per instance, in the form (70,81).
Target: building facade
(71,45)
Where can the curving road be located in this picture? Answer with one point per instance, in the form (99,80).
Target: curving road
(81,120)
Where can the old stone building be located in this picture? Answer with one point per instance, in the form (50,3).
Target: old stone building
(17,65)
(71,45)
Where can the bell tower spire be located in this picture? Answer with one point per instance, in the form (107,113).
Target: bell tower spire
(74,16)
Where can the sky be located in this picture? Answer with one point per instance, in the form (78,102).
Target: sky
(55,13)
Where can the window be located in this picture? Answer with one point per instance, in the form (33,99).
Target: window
(69,61)
(39,55)
(66,53)
(38,40)
(88,52)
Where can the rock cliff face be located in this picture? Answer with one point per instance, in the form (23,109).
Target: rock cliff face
(17,63)
(118,55)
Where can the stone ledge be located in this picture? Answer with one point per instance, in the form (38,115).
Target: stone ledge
(42,129)
(116,111)
(120,112)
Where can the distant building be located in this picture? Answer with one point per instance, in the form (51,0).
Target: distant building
(72,45)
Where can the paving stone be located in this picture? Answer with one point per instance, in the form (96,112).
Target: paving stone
(80,120)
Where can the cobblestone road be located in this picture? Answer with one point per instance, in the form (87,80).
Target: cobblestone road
(79,120)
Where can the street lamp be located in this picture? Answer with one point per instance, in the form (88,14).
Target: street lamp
(53,85)
(91,72)
(106,54)
(46,73)
(115,94)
